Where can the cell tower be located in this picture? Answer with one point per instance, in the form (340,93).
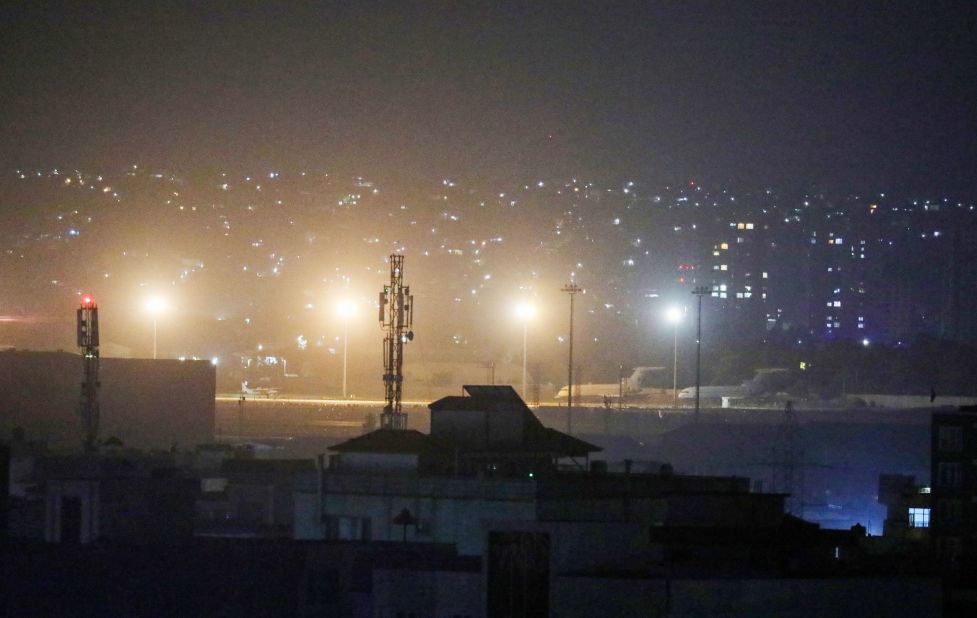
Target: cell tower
(396,316)
(88,342)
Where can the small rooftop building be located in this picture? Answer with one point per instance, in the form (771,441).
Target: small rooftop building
(490,432)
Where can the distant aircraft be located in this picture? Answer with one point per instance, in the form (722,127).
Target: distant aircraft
(764,381)
(633,388)
(258,391)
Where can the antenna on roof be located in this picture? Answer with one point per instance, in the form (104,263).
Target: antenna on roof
(87,330)
(396,316)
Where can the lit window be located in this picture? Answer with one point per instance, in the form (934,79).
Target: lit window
(764,275)
(749,226)
(723,267)
(724,246)
(919,517)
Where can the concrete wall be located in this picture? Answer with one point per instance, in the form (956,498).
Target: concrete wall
(913,401)
(786,598)
(464,427)
(398,592)
(378,462)
(146,403)
(448,510)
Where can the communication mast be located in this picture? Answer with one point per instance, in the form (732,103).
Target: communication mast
(396,316)
(88,342)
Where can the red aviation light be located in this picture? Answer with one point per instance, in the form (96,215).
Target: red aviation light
(87,300)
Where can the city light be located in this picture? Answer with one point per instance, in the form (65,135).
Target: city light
(157,305)
(524,311)
(346,309)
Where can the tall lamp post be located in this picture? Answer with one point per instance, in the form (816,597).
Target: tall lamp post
(699,292)
(674,317)
(571,289)
(346,310)
(525,312)
(156,306)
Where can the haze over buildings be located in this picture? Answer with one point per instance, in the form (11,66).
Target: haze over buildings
(814,165)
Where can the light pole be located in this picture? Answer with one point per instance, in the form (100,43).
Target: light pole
(699,292)
(156,306)
(674,317)
(346,310)
(571,289)
(525,312)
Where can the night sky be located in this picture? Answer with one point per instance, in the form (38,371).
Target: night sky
(850,96)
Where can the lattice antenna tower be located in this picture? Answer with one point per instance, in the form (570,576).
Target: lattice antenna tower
(87,327)
(396,318)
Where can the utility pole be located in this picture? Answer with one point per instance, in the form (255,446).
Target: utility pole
(789,460)
(620,387)
(571,289)
(699,292)
(490,371)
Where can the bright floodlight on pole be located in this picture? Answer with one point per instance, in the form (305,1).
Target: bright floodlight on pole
(346,309)
(673,315)
(156,306)
(525,312)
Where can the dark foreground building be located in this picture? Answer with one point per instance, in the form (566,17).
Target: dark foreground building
(490,514)
(146,403)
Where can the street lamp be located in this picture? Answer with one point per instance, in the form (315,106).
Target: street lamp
(674,317)
(525,312)
(346,310)
(571,289)
(156,306)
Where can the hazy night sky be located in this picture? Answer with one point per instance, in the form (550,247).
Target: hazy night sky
(752,93)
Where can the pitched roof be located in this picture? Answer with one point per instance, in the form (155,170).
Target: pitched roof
(553,441)
(504,398)
(404,441)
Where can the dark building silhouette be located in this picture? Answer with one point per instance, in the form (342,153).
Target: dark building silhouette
(145,403)
(953,523)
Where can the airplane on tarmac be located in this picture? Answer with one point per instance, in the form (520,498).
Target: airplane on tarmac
(632,388)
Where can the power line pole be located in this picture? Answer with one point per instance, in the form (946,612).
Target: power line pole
(699,292)
(571,289)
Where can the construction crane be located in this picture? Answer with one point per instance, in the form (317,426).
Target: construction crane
(396,317)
